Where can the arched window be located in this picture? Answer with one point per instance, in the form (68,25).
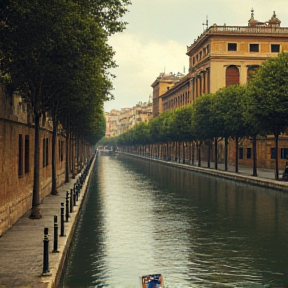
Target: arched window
(232,75)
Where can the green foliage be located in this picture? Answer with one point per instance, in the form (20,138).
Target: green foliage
(203,117)
(261,107)
(268,95)
(181,129)
(56,54)
(229,112)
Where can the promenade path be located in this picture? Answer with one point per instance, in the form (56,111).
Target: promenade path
(264,178)
(21,247)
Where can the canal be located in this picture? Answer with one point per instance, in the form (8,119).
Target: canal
(144,217)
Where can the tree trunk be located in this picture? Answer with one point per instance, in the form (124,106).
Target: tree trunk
(73,157)
(67,153)
(216,152)
(209,155)
(193,153)
(199,155)
(276,155)
(236,154)
(183,153)
(179,152)
(226,153)
(54,139)
(36,211)
(254,155)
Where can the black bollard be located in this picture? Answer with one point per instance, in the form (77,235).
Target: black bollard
(71,201)
(67,206)
(55,242)
(46,253)
(62,220)
(76,192)
(78,188)
(74,196)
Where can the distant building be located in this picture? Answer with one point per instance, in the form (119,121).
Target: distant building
(118,122)
(161,86)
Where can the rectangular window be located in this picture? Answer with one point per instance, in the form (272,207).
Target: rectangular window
(27,164)
(59,149)
(248,153)
(241,153)
(254,47)
(273,153)
(275,48)
(45,152)
(20,156)
(232,46)
(284,153)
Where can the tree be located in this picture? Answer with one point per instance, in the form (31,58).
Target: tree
(269,91)
(28,62)
(232,114)
(181,128)
(203,122)
(69,48)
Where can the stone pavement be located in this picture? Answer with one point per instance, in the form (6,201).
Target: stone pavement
(21,247)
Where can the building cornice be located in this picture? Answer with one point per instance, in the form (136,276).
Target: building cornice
(239,31)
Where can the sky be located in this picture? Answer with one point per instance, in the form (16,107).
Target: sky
(158,33)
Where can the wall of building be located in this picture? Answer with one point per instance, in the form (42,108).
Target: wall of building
(17,159)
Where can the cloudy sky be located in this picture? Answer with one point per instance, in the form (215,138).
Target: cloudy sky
(159,32)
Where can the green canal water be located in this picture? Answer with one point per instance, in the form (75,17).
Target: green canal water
(142,217)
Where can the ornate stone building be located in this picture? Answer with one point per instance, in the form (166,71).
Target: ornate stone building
(219,57)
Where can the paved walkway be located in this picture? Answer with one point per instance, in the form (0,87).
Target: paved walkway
(243,170)
(21,247)
(264,178)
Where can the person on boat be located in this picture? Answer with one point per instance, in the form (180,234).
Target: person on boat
(154,283)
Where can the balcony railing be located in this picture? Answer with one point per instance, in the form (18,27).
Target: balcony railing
(240,30)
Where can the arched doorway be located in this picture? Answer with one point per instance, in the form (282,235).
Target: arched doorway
(232,75)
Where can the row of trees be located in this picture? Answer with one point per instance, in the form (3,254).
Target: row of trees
(55,54)
(256,109)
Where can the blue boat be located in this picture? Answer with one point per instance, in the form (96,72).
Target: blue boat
(152,281)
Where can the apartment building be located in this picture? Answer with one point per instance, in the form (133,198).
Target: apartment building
(120,121)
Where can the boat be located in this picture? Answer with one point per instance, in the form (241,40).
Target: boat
(106,151)
(152,281)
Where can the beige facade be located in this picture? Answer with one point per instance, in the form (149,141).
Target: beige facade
(118,122)
(161,86)
(221,56)
(17,158)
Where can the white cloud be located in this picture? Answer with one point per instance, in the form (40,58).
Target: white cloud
(140,62)
(158,32)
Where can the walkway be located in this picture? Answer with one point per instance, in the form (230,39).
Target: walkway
(265,178)
(21,247)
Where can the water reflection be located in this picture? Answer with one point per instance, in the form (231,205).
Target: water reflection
(198,231)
